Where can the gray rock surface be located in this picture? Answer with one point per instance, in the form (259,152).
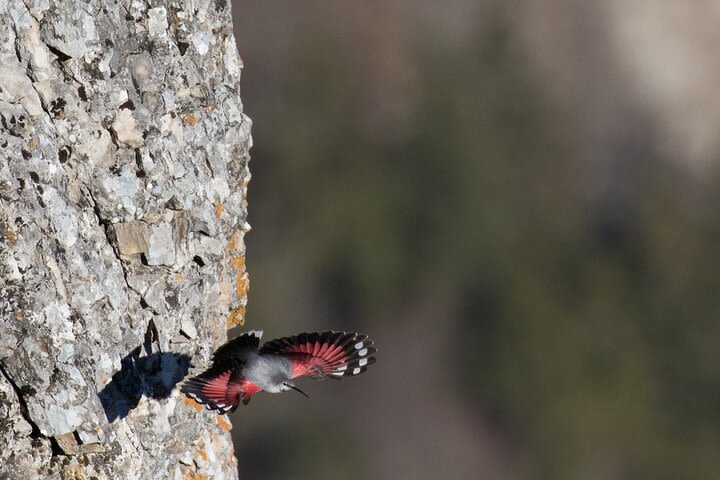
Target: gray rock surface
(123,175)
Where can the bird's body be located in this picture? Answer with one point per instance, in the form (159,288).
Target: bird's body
(241,368)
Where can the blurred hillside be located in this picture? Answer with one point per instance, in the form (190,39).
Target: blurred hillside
(518,204)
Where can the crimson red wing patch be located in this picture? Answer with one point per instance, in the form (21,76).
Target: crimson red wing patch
(327,354)
(219,390)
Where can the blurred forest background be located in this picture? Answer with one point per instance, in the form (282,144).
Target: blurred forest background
(519,204)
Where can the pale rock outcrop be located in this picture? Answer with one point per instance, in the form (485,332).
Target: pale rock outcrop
(122,214)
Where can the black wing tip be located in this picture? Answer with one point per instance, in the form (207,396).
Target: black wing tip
(198,397)
(343,338)
(192,385)
(192,389)
(358,350)
(359,353)
(334,337)
(353,369)
(319,333)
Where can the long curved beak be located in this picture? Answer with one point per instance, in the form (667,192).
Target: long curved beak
(298,390)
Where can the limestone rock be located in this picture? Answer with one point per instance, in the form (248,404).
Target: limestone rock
(122,216)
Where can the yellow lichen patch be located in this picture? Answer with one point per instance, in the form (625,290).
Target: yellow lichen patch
(192,403)
(32,144)
(224,424)
(234,242)
(242,285)
(43,344)
(218,209)
(189,119)
(179,277)
(200,477)
(237,262)
(19,314)
(236,318)
(209,108)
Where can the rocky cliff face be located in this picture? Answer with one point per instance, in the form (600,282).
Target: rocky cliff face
(123,175)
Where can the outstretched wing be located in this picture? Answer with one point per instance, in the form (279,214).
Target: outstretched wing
(236,350)
(220,390)
(324,354)
(223,386)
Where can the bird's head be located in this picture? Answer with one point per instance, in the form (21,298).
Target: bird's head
(291,386)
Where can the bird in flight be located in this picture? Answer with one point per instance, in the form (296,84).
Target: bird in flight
(241,367)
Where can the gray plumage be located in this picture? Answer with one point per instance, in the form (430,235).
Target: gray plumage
(242,368)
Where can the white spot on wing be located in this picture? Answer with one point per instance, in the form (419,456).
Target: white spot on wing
(356,371)
(363,362)
(358,345)
(363,352)
(342,368)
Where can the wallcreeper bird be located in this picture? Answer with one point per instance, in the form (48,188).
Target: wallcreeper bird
(241,368)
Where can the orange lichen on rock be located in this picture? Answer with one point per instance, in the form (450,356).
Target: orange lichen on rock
(224,424)
(179,276)
(202,454)
(218,209)
(234,242)
(242,281)
(189,119)
(242,284)
(189,474)
(236,318)
(192,403)
(237,262)
(43,344)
